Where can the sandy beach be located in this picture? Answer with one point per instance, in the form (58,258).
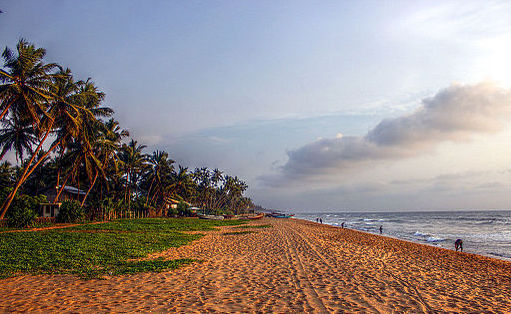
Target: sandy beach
(293,266)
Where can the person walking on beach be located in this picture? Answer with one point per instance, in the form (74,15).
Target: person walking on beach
(320,220)
(342,225)
(458,244)
(381,229)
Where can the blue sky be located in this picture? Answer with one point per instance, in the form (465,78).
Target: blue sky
(267,90)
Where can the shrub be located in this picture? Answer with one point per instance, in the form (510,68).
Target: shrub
(182,209)
(71,211)
(23,210)
(172,212)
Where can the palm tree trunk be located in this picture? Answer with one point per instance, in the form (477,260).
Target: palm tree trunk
(4,112)
(149,191)
(78,185)
(61,188)
(126,188)
(154,195)
(58,177)
(91,186)
(129,191)
(65,181)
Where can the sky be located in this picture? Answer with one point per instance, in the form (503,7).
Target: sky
(318,106)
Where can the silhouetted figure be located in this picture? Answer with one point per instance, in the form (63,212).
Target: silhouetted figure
(458,244)
(320,220)
(342,225)
(381,229)
(317,219)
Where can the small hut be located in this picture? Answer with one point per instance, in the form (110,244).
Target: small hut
(51,209)
(172,202)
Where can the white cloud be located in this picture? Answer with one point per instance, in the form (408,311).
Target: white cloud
(454,114)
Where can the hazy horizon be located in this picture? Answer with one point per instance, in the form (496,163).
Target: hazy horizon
(363,106)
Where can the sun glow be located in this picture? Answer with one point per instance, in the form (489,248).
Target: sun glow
(495,64)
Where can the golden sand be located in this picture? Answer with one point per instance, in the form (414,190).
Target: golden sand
(295,266)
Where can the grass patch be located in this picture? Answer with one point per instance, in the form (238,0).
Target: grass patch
(238,232)
(42,225)
(254,226)
(159,225)
(93,254)
(157,265)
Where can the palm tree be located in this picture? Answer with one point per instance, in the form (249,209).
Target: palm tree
(216,177)
(182,183)
(17,135)
(159,169)
(26,81)
(91,135)
(108,144)
(84,148)
(132,162)
(63,117)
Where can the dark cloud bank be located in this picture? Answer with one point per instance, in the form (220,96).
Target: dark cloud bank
(453,114)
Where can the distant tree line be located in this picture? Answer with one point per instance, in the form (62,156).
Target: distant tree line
(61,134)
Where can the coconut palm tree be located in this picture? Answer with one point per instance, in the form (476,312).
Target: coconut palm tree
(132,160)
(159,169)
(17,135)
(182,184)
(26,81)
(109,144)
(84,142)
(63,117)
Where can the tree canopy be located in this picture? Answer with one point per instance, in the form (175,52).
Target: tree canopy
(61,134)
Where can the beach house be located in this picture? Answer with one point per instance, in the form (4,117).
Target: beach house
(51,209)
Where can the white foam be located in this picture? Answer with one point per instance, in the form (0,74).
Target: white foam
(434,239)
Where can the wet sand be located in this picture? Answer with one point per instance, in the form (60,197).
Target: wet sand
(294,266)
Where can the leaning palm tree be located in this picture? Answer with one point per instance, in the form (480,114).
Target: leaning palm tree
(63,118)
(61,113)
(83,140)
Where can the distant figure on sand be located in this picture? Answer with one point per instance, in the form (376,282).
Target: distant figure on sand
(381,229)
(317,219)
(458,244)
(342,225)
(320,220)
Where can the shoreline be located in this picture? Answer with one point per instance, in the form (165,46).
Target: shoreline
(293,266)
(483,233)
(506,261)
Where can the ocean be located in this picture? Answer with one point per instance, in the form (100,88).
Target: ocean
(483,232)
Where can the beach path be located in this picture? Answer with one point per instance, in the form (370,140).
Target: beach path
(292,266)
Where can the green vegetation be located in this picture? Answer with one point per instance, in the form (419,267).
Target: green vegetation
(23,211)
(71,211)
(238,232)
(158,225)
(94,250)
(255,226)
(61,134)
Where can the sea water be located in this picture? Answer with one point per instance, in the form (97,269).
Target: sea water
(483,232)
